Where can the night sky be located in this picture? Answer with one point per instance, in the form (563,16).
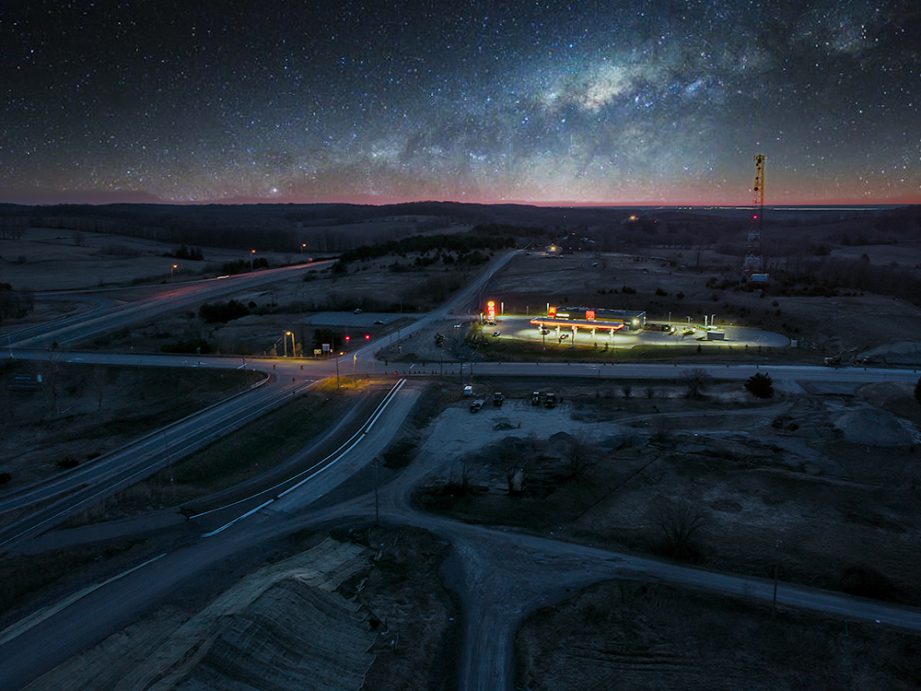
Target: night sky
(609,102)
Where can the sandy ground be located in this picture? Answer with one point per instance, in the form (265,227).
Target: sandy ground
(810,485)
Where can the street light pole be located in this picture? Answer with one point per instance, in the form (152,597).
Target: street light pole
(377,482)
(337,373)
(252,259)
(172,270)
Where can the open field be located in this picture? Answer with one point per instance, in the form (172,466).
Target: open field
(50,259)
(633,635)
(830,324)
(81,412)
(821,488)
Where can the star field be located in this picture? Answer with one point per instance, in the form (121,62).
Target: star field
(656,102)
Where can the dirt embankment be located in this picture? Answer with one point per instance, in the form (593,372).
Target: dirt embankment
(632,635)
(367,612)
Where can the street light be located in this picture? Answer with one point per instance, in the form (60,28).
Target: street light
(252,259)
(172,270)
(303,247)
(293,344)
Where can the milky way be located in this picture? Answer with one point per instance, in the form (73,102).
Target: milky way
(613,102)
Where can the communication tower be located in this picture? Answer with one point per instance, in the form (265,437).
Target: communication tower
(754,256)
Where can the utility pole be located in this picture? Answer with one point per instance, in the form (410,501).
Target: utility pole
(337,373)
(377,482)
(776,557)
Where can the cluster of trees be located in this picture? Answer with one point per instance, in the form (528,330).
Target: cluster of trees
(241,266)
(321,336)
(14,303)
(192,345)
(469,247)
(222,312)
(825,276)
(185,252)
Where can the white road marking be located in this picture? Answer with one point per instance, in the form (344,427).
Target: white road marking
(37,617)
(336,456)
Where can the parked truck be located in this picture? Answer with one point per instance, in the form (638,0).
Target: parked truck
(497,399)
(549,400)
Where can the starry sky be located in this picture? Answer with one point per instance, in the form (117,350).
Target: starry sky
(610,102)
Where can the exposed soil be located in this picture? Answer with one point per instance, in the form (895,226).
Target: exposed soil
(744,490)
(632,635)
(418,618)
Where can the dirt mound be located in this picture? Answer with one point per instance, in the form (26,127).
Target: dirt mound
(282,627)
(872,426)
(294,636)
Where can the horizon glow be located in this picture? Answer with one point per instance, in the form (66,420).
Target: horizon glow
(643,104)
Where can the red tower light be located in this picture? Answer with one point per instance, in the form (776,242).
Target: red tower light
(367,337)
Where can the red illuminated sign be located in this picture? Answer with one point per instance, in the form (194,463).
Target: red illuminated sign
(491,310)
(590,314)
(551,312)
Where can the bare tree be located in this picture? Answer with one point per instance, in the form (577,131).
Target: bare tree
(679,524)
(51,373)
(580,458)
(696,381)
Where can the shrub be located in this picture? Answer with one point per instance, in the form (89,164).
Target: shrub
(198,346)
(696,381)
(5,478)
(760,385)
(222,312)
(67,463)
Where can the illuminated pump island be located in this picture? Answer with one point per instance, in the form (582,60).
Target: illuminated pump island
(593,320)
